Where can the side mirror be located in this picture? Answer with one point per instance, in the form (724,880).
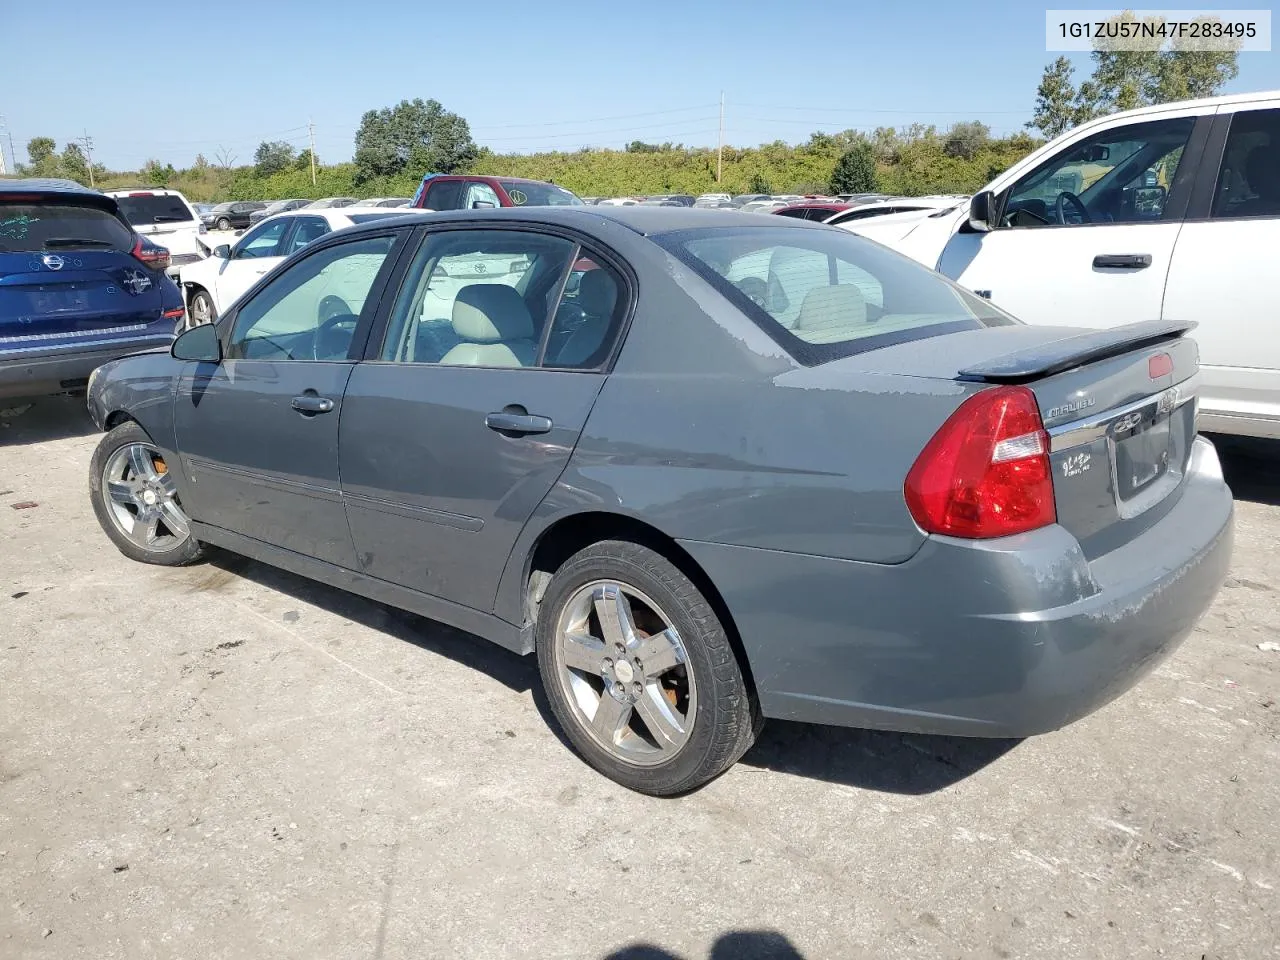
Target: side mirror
(222,251)
(982,211)
(199,343)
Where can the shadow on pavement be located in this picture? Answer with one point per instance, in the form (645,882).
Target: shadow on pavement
(868,759)
(51,418)
(906,763)
(1251,467)
(736,945)
(514,672)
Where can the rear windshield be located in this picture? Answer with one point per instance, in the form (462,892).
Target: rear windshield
(539,195)
(825,294)
(28,227)
(150,208)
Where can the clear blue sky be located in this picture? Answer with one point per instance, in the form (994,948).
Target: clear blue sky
(180,79)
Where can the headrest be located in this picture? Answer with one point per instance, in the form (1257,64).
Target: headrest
(490,312)
(832,306)
(1262,170)
(597,293)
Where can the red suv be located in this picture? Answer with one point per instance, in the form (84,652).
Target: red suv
(464,192)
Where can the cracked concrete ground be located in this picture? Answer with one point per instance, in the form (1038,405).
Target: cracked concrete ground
(230,761)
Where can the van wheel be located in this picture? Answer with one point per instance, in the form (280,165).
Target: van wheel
(136,500)
(640,672)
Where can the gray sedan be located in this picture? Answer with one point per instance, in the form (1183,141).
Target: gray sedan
(707,471)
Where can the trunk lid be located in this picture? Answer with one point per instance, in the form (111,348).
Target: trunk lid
(1119,406)
(68,292)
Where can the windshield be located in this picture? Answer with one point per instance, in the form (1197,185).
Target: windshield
(149,208)
(539,194)
(824,294)
(29,227)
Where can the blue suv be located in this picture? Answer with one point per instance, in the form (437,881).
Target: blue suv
(78,287)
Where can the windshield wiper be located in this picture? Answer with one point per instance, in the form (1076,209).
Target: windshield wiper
(164,218)
(77,242)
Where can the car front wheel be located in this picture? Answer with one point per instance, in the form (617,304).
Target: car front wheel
(136,499)
(640,672)
(223,224)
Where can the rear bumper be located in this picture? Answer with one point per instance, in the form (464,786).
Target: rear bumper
(1003,638)
(65,370)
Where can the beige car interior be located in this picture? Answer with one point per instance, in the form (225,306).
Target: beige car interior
(494,325)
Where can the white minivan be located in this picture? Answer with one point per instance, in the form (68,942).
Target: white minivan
(1170,212)
(166,218)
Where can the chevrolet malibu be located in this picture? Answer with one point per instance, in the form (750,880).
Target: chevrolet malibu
(707,472)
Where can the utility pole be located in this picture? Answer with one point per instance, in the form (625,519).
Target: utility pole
(88,152)
(311,129)
(720,148)
(12,155)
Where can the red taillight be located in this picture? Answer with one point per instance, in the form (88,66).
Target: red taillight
(986,472)
(1160,365)
(174,314)
(157,258)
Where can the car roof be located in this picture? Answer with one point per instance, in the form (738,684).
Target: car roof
(646,221)
(56,188)
(150,191)
(47,185)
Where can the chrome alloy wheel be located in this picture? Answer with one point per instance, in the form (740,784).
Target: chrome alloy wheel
(142,499)
(622,667)
(201,310)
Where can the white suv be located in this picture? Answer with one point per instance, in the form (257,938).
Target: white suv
(1170,212)
(165,218)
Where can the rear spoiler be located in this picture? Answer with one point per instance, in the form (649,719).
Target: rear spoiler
(1088,346)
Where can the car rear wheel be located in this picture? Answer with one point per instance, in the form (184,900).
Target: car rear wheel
(640,672)
(136,500)
(202,309)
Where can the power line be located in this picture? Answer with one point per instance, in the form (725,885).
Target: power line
(623,116)
(698,121)
(848,110)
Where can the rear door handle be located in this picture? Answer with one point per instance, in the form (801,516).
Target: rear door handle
(1122,261)
(309,403)
(521,423)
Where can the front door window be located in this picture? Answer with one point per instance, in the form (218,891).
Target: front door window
(1121,175)
(310,312)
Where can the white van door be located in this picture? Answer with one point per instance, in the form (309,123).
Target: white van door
(1085,238)
(1224,272)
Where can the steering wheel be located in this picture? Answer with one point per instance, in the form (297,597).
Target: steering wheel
(337,323)
(1065,197)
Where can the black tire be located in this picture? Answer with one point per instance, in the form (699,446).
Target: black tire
(182,552)
(202,294)
(223,224)
(726,719)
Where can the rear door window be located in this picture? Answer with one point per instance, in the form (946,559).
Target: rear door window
(31,227)
(148,208)
(1249,178)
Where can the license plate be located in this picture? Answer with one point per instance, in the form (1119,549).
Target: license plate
(1143,455)
(67,300)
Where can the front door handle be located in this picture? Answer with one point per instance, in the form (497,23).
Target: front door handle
(1122,261)
(311,404)
(518,423)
